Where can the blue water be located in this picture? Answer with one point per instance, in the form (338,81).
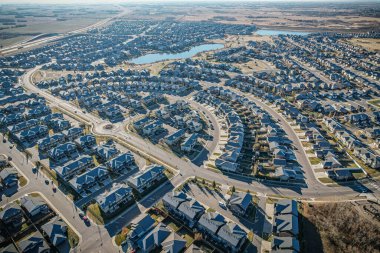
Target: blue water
(149,58)
(278,32)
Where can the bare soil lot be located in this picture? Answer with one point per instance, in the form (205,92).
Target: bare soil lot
(339,227)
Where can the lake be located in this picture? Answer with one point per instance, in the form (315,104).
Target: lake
(278,32)
(150,58)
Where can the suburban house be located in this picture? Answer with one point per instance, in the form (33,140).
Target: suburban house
(175,137)
(11,215)
(86,142)
(75,168)
(210,223)
(121,162)
(153,239)
(286,225)
(140,228)
(34,243)
(285,244)
(50,142)
(110,201)
(232,236)
(146,178)
(34,206)
(239,203)
(63,151)
(106,152)
(173,243)
(286,206)
(90,179)
(8,177)
(189,143)
(190,211)
(56,231)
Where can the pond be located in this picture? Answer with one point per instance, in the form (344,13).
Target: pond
(150,58)
(278,32)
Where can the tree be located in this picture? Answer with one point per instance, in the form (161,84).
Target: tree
(213,184)
(233,189)
(203,181)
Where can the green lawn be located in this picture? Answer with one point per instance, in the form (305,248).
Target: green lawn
(94,212)
(326,180)
(314,160)
(73,237)
(375,102)
(22,181)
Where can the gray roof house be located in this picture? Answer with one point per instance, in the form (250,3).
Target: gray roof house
(11,214)
(173,244)
(210,223)
(232,236)
(239,203)
(34,243)
(111,201)
(145,179)
(279,244)
(286,206)
(190,210)
(34,206)
(56,230)
(154,238)
(141,227)
(286,225)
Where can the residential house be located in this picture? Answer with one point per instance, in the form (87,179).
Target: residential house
(111,201)
(210,223)
(34,243)
(75,168)
(8,177)
(232,237)
(240,203)
(121,162)
(153,239)
(141,227)
(174,243)
(50,142)
(35,206)
(62,151)
(145,179)
(86,142)
(189,143)
(175,137)
(11,215)
(286,206)
(106,152)
(285,244)
(56,231)
(89,179)
(286,225)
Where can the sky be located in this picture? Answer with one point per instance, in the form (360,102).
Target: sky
(158,1)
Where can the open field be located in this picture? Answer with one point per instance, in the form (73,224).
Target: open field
(312,17)
(23,23)
(342,227)
(369,44)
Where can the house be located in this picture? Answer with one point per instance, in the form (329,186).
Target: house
(286,206)
(34,206)
(286,225)
(56,231)
(153,239)
(32,134)
(189,143)
(190,211)
(90,179)
(11,215)
(239,203)
(283,244)
(141,227)
(175,137)
(173,244)
(73,133)
(75,168)
(8,177)
(173,199)
(138,125)
(106,152)
(87,141)
(121,162)
(152,128)
(34,243)
(62,151)
(210,223)
(50,142)
(145,179)
(110,201)
(232,237)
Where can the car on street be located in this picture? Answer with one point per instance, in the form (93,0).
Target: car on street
(222,205)
(47,182)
